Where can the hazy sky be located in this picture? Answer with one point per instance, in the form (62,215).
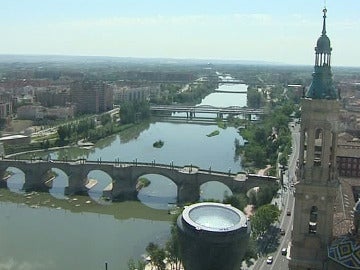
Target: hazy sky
(278,30)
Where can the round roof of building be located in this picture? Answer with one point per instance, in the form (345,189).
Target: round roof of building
(323,44)
(345,250)
(214,217)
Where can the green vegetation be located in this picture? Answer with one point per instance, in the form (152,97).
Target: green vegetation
(220,123)
(171,251)
(238,201)
(138,265)
(158,144)
(263,218)
(71,133)
(263,195)
(255,98)
(134,112)
(142,182)
(268,138)
(214,133)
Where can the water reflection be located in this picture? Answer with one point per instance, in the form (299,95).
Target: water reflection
(16,180)
(59,183)
(160,194)
(84,204)
(102,180)
(214,191)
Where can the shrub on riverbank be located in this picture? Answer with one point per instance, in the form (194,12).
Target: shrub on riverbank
(142,182)
(158,144)
(214,133)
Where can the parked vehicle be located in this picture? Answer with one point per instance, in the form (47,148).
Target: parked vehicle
(269,260)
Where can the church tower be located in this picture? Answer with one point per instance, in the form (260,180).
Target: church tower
(317,178)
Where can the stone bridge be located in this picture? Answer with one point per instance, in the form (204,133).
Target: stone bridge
(125,175)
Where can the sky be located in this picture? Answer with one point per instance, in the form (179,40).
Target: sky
(281,31)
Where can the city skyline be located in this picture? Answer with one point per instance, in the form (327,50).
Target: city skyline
(279,32)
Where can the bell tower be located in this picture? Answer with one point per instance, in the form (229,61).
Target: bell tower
(317,178)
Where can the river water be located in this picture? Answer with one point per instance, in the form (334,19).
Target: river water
(52,231)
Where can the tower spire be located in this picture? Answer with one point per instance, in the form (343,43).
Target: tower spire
(322,86)
(324,22)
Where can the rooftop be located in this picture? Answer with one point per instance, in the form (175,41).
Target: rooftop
(214,217)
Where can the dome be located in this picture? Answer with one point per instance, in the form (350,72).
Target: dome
(214,217)
(323,45)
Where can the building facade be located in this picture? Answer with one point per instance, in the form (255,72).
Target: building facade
(318,182)
(90,96)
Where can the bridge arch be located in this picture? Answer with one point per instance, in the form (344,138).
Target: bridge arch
(160,193)
(214,190)
(98,180)
(13,178)
(58,183)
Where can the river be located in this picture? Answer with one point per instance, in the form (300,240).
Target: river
(52,231)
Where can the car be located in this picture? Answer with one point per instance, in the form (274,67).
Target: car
(284,251)
(282,232)
(269,260)
(288,213)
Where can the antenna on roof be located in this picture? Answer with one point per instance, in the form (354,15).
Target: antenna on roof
(324,3)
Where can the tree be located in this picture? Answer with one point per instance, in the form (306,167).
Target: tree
(173,248)
(157,255)
(62,133)
(256,153)
(254,98)
(263,218)
(238,201)
(132,112)
(139,265)
(105,119)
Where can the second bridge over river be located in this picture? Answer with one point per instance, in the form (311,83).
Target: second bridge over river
(125,175)
(192,111)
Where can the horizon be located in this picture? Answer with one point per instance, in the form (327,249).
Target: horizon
(280,33)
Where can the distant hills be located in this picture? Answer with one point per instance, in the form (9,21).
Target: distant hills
(100,59)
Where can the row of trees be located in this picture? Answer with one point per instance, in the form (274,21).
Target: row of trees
(269,137)
(170,252)
(134,112)
(86,129)
(172,92)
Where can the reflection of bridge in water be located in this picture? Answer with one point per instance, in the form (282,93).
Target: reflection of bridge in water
(125,175)
(191,111)
(85,204)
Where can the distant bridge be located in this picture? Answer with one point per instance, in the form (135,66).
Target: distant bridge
(230,81)
(125,175)
(231,91)
(191,111)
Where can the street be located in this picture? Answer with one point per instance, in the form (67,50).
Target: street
(286,202)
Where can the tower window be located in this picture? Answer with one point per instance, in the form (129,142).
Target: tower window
(313,220)
(318,147)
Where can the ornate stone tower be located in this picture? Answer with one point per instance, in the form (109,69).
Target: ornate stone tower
(317,188)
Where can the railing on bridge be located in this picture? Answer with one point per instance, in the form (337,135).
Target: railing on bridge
(206,109)
(118,163)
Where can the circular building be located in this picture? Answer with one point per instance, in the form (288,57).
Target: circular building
(212,236)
